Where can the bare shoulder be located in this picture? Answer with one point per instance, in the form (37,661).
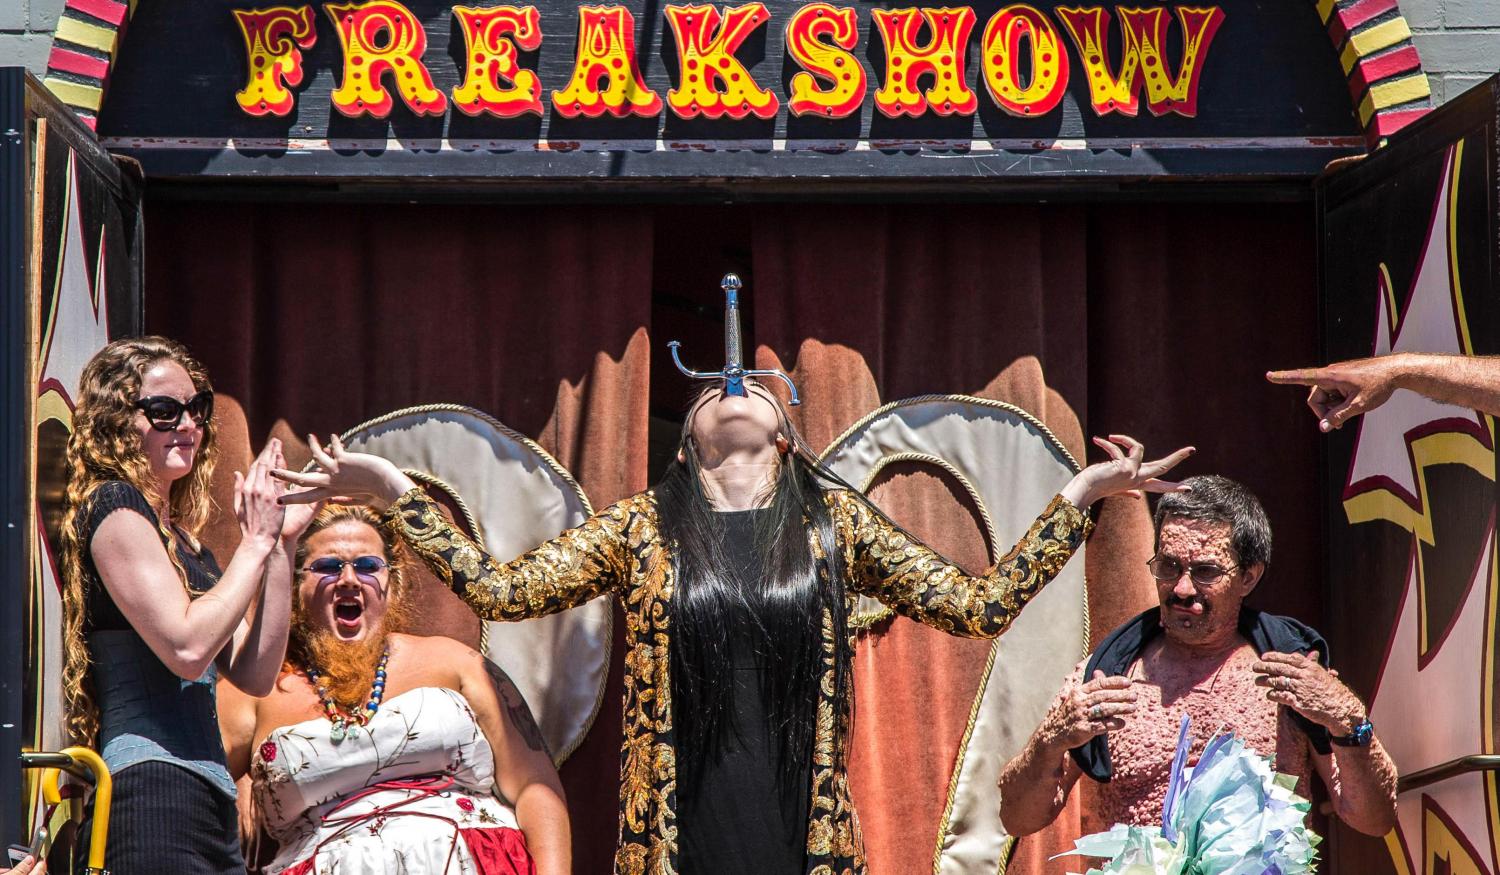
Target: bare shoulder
(433,660)
(434,646)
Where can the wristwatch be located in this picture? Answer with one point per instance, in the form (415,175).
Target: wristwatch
(1360,736)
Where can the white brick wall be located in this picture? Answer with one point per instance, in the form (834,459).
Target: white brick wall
(26,32)
(1459,40)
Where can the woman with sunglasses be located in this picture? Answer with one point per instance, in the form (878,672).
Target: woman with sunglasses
(377,745)
(149,618)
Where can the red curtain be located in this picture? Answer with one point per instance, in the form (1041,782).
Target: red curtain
(1148,320)
(1154,320)
(318,317)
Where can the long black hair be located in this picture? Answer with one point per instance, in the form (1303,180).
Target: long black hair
(788,591)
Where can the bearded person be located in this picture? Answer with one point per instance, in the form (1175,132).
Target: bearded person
(384,752)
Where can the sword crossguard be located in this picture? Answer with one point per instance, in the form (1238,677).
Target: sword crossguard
(734,372)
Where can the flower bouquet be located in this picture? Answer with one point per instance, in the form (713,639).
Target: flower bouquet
(1231,814)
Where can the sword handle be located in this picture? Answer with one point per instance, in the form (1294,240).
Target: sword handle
(734,356)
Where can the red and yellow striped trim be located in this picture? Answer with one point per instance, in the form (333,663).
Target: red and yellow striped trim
(83,49)
(1386,81)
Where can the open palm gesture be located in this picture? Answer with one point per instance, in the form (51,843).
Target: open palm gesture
(341,475)
(1125,471)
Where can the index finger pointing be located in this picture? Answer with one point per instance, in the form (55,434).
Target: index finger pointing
(1298,376)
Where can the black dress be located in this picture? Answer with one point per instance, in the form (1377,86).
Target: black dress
(740,820)
(164,817)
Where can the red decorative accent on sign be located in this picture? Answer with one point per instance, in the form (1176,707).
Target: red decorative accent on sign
(941,59)
(1005,34)
(606,49)
(494,82)
(1143,59)
(828,61)
(274,40)
(1387,123)
(77,63)
(1402,60)
(1346,18)
(382,37)
(111,11)
(711,80)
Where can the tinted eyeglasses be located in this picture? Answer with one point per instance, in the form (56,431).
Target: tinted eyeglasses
(1165,568)
(328,568)
(165,412)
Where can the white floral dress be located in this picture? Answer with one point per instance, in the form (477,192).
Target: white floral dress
(412,792)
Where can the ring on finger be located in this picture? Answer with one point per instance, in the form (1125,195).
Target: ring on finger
(1096,712)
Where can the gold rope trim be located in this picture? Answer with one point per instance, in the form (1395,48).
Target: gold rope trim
(1051,438)
(560,471)
(864,622)
(958,398)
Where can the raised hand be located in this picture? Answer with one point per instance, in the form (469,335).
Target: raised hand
(1344,390)
(1126,471)
(1302,684)
(1085,710)
(341,475)
(255,499)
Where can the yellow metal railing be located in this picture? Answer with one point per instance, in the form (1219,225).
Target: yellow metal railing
(86,765)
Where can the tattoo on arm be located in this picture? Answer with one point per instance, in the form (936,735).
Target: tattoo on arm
(516,708)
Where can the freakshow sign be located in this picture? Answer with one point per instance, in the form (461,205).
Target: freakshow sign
(382,43)
(241,86)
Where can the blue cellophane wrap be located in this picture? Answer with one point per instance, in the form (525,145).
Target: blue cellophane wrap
(1231,814)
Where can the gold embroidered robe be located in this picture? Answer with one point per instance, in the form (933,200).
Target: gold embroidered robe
(619,550)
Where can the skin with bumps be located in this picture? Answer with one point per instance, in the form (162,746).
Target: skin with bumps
(1201,666)
(1195,615)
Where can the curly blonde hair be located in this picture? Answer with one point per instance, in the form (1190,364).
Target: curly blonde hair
(105,445)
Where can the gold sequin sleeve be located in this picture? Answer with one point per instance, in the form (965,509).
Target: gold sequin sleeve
(576,566)
(888,564)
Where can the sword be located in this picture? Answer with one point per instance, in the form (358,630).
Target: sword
(734,372)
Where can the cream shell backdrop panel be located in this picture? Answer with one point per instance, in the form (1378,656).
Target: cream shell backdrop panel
(1012,466)
(519,497)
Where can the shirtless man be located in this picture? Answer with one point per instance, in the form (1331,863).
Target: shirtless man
(1201,653)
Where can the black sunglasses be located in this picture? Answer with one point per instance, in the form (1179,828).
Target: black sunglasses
(330,567)
(165,412)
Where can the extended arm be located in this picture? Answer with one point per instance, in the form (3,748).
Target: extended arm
(1344,390)
(571,569)
(891,565)
(887,563)
(523,767)
(576,566)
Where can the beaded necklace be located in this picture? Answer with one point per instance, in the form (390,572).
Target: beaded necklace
(345,725)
